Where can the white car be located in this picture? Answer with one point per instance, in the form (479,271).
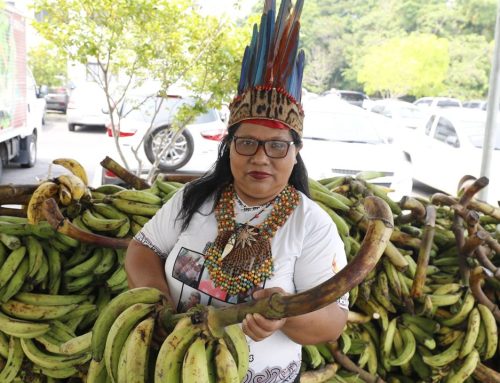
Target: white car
(438,102)
(87,106)
(194,150)
(402,113)
(449,146)
(342,139)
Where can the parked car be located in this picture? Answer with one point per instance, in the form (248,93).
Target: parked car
(351,96)
(194,150)
(57,99)
(438,102)
(342,139)
(476,104)
(87,106)
(450,146)
(403,113)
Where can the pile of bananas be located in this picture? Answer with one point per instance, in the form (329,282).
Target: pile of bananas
(428,311)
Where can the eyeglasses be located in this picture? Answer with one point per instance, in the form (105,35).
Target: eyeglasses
(272,148)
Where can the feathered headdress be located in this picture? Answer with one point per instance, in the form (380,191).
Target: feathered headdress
(270,85)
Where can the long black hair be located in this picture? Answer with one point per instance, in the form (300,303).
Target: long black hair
(219,176)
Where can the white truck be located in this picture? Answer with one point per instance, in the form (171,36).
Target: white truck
(21,106)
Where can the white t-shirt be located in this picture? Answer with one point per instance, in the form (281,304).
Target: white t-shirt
(306,250)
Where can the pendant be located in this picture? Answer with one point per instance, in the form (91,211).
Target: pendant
(231,242)
(246,236)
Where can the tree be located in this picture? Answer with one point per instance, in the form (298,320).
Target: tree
(416,65)
(134,40)
(48,65)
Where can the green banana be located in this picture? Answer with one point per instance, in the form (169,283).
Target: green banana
(122,361)
(11,241)
(109,189)
(119,332)
(110,212)
(445,299)
(340,223)
(399,348)
(54,266)
(67,240)
(16,282)
(427,324)
(22,329)
(312,356)
(136,208)
(116,306)
(138,351)
(462,313)
(79,283)
(471,334)
(86,267)
(49,300)
(329,200)
(108,261)
(139,196)
(14,361)
(50,361)
(27,311)
(466,369)
(447,356)
(117,278)
(78,345)
(195,367)
(4,345)
(101,224)
(210,355)
(171,355)
(11,264)
(421,336)
(409,348)
(97,372)
(141,220)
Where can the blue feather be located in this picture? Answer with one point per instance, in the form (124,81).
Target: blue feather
(245,64)
(261,50)
(253,54)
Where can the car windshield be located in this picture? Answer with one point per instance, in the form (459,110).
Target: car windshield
(474,130)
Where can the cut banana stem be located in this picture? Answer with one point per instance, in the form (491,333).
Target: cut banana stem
(378,232)
(122,173)
(417,210)
(424,252)
(476,282)
(64,226)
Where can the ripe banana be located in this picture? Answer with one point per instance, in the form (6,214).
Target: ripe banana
(74,167)
(194,366)
(240,344)
(138,351)
(74,184)
(44,191)
(226,368)
(116,306)
(170,358)
(490,325)
(65,196)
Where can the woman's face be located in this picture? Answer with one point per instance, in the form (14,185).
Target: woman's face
(259,178)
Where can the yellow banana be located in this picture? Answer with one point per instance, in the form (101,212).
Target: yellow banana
(44,191)
(65,195)
(210,354)
(137,351)
(74,184)
(171,355)
(74,167)
(240,344)
(195,366)
(473,325)
(226,368)
(490,325)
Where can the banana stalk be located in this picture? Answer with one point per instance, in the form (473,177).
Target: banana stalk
(417,210)
(122,173)
(278,306)
(485,374)
(13,194)
(424,252)
(64,226)
(476,283)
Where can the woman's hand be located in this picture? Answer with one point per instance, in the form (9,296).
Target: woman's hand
(257,326)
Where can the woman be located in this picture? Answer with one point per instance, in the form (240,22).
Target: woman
(257,231)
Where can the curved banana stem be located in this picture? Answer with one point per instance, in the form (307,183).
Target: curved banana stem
(424,252)
(63,225)
(349,365)
(122,173)
(417,210)
(481,255)
(476,283)
(485,374)
(277,306)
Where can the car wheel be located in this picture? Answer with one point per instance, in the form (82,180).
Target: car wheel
(31,149)
(177,156)
(71,127)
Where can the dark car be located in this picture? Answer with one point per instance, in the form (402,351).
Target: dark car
(57,99)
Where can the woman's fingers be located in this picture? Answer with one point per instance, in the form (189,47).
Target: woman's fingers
(258,328)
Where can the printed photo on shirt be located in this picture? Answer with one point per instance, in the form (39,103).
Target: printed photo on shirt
(188,267)
(190,298)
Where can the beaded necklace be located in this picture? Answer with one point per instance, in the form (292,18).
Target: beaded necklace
(240,257)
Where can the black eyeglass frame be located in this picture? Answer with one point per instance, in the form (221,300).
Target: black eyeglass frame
(263,144)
